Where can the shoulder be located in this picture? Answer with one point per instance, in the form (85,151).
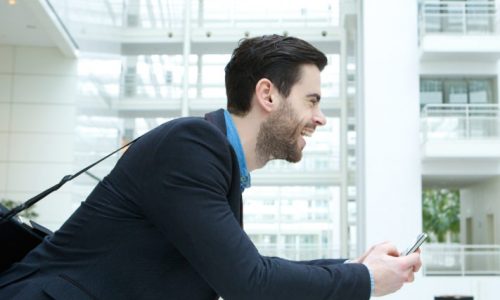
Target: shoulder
(190,129)
(190,134)
(182,129)
(182,140)
(195,125)
(187,145)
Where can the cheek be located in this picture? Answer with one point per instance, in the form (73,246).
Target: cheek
(304,114)
(304,121)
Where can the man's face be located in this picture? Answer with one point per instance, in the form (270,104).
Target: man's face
(281,135)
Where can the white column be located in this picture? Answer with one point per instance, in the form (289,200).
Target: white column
(497,100)
(185,53)
(392,176)
(37,113)
(344,241)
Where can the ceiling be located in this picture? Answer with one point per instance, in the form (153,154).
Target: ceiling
(34,23)
(20,26)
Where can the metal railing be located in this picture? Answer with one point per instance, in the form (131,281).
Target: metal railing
(245,15)
(169,14)
(300,251)
(460,121)
(458,17)
(461,260)
(438,259)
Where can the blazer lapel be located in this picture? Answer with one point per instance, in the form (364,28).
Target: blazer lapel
(217,118)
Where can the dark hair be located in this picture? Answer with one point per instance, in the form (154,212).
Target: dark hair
(274,57)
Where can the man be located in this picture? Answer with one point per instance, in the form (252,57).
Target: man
(166,222)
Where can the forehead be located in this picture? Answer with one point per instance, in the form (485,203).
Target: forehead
(310,79)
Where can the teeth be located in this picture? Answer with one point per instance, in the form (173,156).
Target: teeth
(307,133)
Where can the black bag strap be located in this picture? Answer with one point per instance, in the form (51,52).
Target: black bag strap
(48,191)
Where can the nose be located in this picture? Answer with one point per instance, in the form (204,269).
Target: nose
(319,118)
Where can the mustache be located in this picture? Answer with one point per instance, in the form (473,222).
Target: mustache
(299,128)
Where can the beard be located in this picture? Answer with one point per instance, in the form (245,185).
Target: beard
(278,136)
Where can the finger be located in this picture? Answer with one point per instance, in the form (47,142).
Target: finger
(413,258)
(391,249)
(417,267)
(380,247)
(413,261)
(362,257)
(410,277)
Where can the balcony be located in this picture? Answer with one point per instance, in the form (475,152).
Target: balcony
(460,143)
(459,30)
(461,260)
(460,122)
(151,27)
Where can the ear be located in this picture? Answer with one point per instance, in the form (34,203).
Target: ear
(263,91)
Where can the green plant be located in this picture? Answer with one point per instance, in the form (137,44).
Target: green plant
(441,214)
(27,213)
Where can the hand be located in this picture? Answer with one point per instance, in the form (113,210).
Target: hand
(390,271)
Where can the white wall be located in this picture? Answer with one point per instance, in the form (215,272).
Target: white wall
(37,117)
(391,126)
(477,202)
(391,129)
(458,67)
(392,165)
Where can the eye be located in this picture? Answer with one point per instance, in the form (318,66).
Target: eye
(313,101)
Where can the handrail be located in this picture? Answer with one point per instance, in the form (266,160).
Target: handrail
(169,14)
(446,109)
(460,121)
(300,251)
(460,17)
(461,260)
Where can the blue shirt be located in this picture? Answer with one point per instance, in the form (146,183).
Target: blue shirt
(234,140)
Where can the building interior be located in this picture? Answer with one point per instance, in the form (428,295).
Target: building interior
(412,141)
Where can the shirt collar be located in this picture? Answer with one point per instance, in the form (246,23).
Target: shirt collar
(234,140)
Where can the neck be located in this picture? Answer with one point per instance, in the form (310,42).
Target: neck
(248,128)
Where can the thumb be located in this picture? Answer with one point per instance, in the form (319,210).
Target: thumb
(390,249)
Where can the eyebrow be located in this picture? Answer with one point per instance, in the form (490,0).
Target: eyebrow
(315,95)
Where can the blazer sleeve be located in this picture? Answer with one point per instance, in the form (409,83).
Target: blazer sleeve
(187,199)
(316,262)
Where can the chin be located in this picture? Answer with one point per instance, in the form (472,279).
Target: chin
(294,158)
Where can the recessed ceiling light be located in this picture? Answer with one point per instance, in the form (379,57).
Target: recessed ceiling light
(12,2)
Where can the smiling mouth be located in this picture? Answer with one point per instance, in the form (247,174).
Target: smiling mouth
(307,132)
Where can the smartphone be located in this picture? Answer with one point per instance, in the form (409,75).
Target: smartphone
(420,239)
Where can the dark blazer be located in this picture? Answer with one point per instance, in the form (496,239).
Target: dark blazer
(166,224)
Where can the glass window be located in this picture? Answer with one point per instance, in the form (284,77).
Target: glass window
(431,91)
(302,223)
(455,91)
(480,91)
(259,13)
